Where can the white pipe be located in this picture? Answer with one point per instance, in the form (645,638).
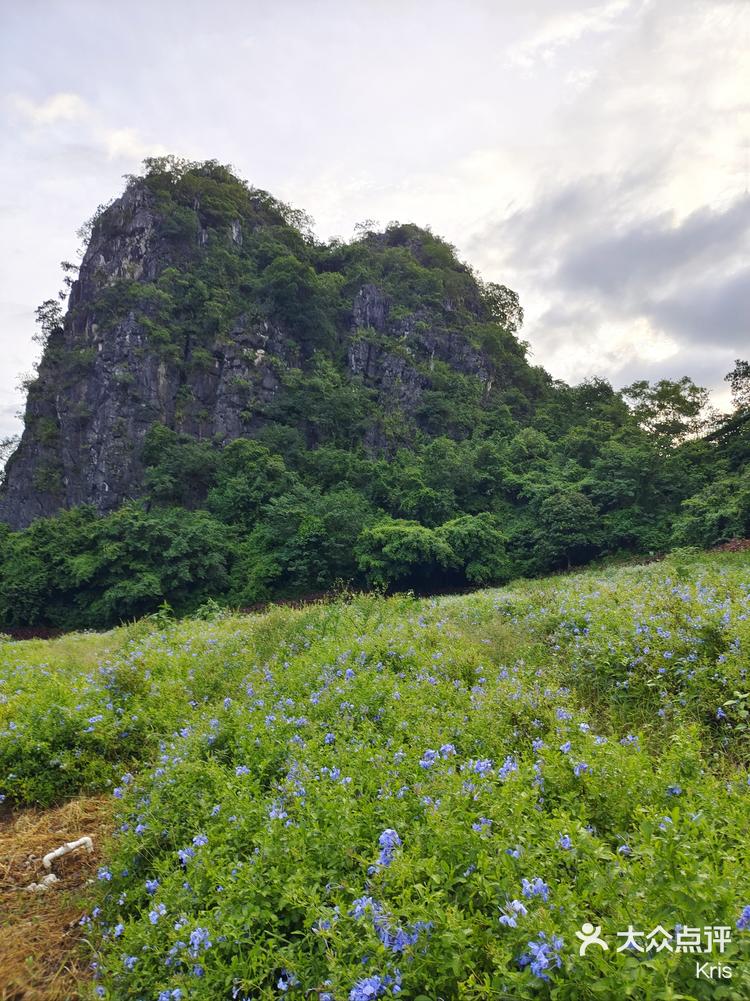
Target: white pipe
(50,857)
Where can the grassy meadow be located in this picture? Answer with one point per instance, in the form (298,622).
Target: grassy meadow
(392,797)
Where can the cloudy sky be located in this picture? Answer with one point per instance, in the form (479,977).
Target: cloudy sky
(595,156)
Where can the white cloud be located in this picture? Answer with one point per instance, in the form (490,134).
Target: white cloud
(62,107)
(560,30)
(83,122)
(647,146)
(128,144)
(590,343)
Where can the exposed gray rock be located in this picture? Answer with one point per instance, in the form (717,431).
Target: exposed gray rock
(370,308)
(98,390)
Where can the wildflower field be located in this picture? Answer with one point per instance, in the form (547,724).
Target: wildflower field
(391,797)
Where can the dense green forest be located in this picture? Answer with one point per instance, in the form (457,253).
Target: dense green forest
(492,471)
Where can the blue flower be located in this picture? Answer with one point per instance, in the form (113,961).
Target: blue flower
(361,905)
(674,790)
(330,738)
(199,939)
(129,962)
(389,841)
(512,908)
(277,812)
(542,956)
(481,824)
(535,888)
(199,840)
(565,748)
(428,758)
(565,842)
(159,911)
(509,765)
(365,990)
(287,980)
(743,921)
(482,766)
(104,874)
(152,885)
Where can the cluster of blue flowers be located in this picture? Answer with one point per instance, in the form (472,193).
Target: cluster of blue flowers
(200,940)
(395,938)
(509,765)
(535,888)
(481,767)
(430,756)
(389,841)
(287,980)
(543,955)
(375,987)
(512,910)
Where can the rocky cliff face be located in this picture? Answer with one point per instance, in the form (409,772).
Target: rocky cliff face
(195,300)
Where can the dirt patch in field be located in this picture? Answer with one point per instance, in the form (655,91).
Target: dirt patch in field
(733,546)
(40,954)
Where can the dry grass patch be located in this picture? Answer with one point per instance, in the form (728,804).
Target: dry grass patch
(40,958)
